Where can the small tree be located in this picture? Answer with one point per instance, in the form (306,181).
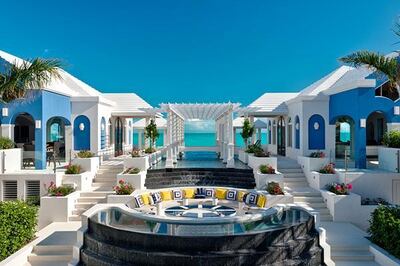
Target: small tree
(151,133)
(247,131)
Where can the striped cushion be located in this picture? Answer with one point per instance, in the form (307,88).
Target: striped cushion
(139,201)
(251,198)
(155,198)
(261,201)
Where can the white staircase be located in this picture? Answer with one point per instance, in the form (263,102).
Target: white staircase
(106,177)
(87,200)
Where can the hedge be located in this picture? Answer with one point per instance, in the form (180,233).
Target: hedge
(392,139)
(17,226)
(385,228)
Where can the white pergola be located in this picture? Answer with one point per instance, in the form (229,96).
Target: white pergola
(177,113)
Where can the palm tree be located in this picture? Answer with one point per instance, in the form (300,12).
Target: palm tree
(383,65)
(31,74)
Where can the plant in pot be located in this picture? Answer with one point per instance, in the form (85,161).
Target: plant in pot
(59,191)
(328,169)
(132,171)
(261,153)
(339,189)
(85,154)
(151,133)
(274,188)
(391,139)
(247,132)
(317,154)
(135,153)
(73,169)
(267,169)
(253,148)
(6,143)
(123,188)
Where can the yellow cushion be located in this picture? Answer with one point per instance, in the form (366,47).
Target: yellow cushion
(241,195)
(166,195)
(220,193)
(188,193)
(145,198)
(261,201)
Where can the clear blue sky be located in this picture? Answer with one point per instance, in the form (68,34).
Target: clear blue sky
(197,50)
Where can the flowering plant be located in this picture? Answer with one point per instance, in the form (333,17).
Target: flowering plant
(266,169)
(123,188)
(328,169)
(339,189)
(132,171)
(317,154)
(135,153)
(73,169)
(60,191)
(274,188)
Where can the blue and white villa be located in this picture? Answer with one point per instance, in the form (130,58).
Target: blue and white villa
(301,194)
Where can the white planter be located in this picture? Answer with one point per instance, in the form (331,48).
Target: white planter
(388,158)
(312,164)
(88,164)
(137,162)
(255,162)
(319,181)
(382,256)
(82,181)
(263,179)
(10,160)
(273,200)
(56,209)
(137,180)
(115,199)
(243,156)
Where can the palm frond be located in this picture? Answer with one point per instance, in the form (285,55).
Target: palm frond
(383,65)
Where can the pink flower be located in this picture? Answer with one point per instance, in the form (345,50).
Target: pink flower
(338,187)
(349,186)
(121,181)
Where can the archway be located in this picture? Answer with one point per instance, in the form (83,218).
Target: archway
(281,136)
(24,137)
(55,136)
(119,134)
(81,133)
(297,132)
(344,139)
(375,129)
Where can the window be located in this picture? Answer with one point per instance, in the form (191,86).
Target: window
(274,133)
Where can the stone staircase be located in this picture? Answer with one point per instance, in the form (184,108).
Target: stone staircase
(106,177)
(295,183)
(87,200)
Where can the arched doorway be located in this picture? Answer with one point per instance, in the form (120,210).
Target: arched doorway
(376,128)
(81,133)
(55,136)
(344,137)
(281,136)
(24,137)
(119,134)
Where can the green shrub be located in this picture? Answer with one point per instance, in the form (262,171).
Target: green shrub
(149,150)
(274,188)
(6,143)
(385,228)
(266,169)
(17,226)
(132,171)
(85,154)
(254,148)
(392,139)
(73,169)
(33,201)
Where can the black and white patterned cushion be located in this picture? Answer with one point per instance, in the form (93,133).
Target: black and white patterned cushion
(251,198)
(209,192)
(139,201)
(177,194)
(231,195)
(155,198)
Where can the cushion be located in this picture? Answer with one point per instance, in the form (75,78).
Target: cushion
(145,198)
(139,201)
(200,191)
(209,192)
(231,194)
(155,198)
(177,194)
(220,193)
(251,198)
(240,195)
(188,193)
(166,195)
(261,201)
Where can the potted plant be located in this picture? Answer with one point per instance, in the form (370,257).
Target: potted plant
(87,161)
(151,133)
(323,176)
(315,161)
(137,160)
(388,154)
(134,176)
(77,178)
(247,133)
(274,188)
(60,191)
(260,157)
(328,169)
(123,188)
(12,156)
(73,169)
(267,173)
(339,189)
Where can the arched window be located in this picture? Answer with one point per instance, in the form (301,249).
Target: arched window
(297,132)
(316,133)
(290,133)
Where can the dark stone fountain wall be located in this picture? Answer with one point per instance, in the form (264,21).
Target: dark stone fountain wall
(295,245)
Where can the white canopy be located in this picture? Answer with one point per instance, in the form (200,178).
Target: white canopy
(140,124)
(258,123)
(200,111)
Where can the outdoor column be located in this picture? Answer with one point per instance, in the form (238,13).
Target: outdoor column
(147,140)
(174,138)
(230,161)
(164,136)
(225,138)
(68,143)
(360,150)
(253,139)
(217,135)
(169,163)
(140,141)
(7,131)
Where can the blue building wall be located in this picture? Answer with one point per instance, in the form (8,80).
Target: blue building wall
(359,104)
(82,137)
(41,105)
(316,137)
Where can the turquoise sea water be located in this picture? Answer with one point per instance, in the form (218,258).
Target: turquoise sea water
(200,139)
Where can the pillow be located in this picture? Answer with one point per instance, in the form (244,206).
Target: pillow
(177,194)
(209,192)
(240,196)
(251,199)
(145,198)
(139,201)
(231,194)
(166,195)
(200,191)
(220,193)
(261,201)
(155,198)
(188,193)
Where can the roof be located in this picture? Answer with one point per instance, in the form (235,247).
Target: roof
(258,123)
(128,104)
(269,104)
(201,111)
(140,124)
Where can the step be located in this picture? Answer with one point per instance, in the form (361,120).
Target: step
(290,170)
(105,180)
(74,218)
(90,199)
(325,218)
(294,175)
(294,179)
(49,258)
(356,263)
(352,256)
(47,263)
(104,184)
(52,250)
(346,248)
(308,199)
(96,194)
(314,205)
(305,194)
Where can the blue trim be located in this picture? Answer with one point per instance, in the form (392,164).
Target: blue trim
(297,132)
(81,137)
(316,137)
(103,133)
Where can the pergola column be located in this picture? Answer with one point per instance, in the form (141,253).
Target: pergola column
(169,163)
(174,138)
(253,137)
(225,138)
(140,141)
(230,161)
(147,140)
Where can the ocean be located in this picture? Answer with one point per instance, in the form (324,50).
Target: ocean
(201,139)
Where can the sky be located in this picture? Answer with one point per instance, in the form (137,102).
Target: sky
(197,50)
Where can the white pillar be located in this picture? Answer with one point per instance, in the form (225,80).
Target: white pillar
(147,140)
(7,130)
(175,139)
(68,143)
(225,138)
(230,161)
(164,137)
(169,163)
(140,141)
